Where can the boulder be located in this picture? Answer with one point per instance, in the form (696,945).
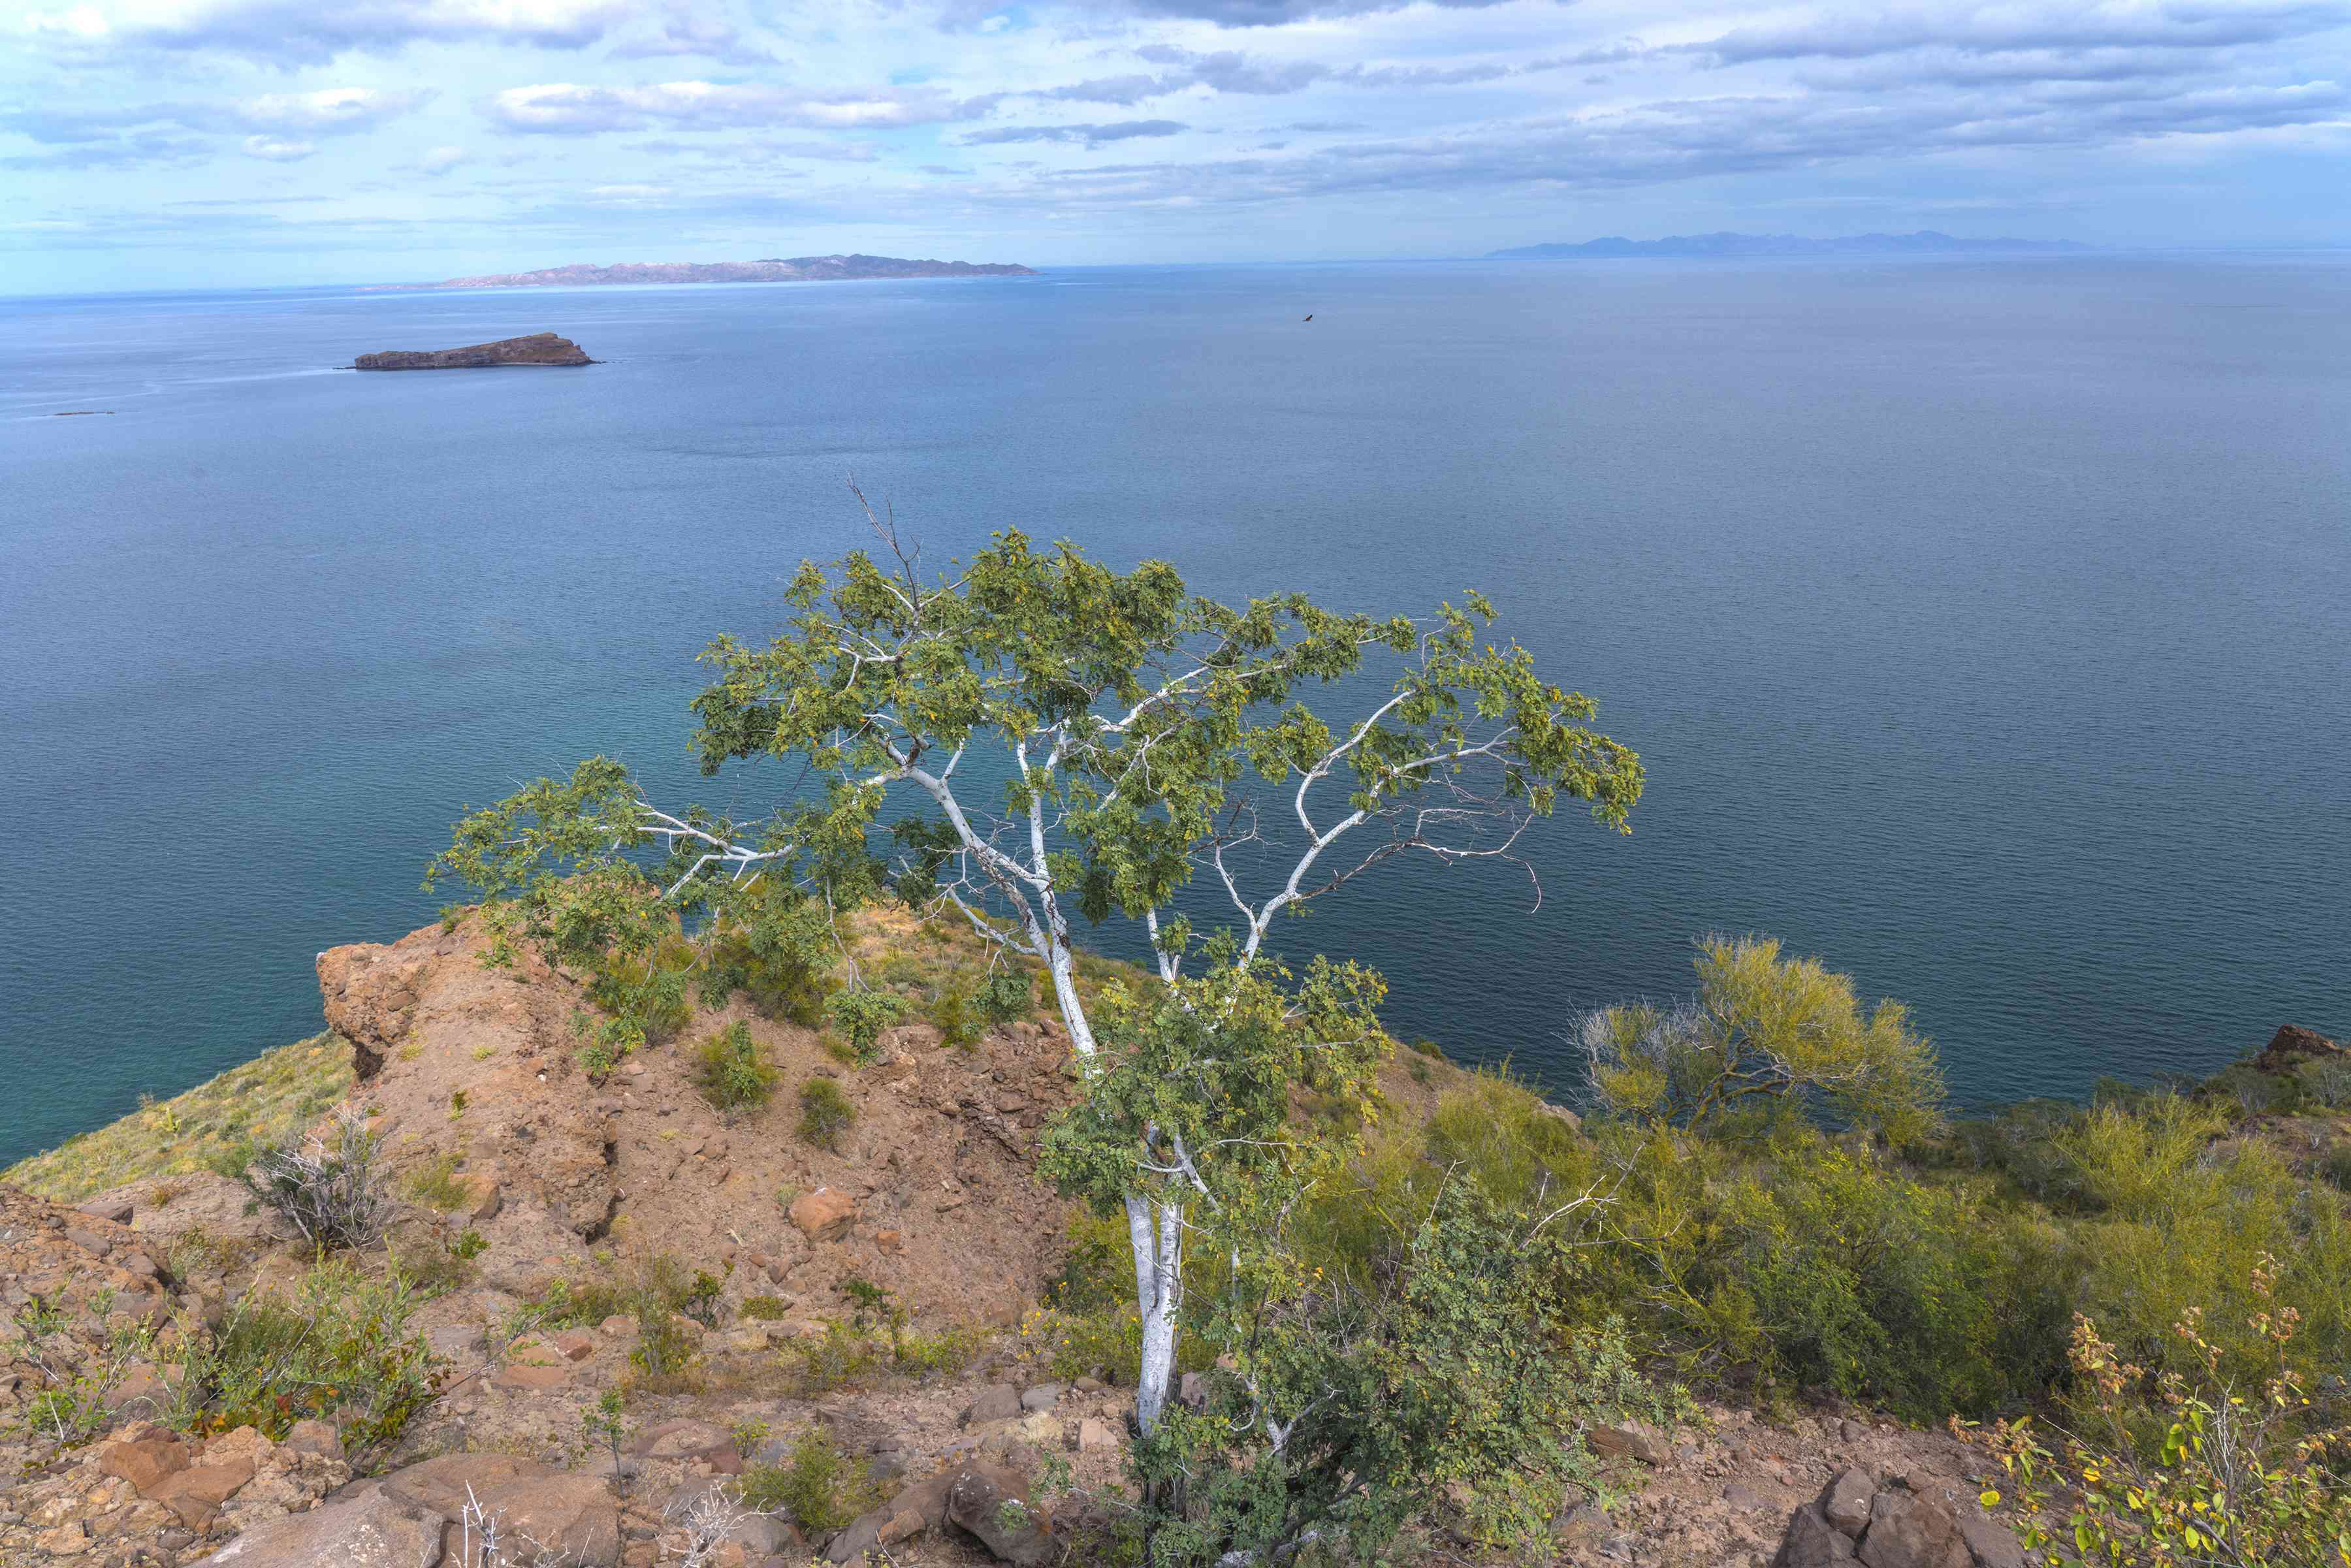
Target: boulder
(195,1494)
(824,1214)
(318,1437)
(917,1510)
(1908,1531)
(482,1199)
(1096,1436)
(997,1402)
(976,1499)
(1990,1543)
(145,1461)
(1811,1541)
(1631,1441)
(1043,1396)
(565,1512)
(367,1530)
(1844,1502)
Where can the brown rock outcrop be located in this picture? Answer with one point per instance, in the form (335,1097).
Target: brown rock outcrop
(2291,1047)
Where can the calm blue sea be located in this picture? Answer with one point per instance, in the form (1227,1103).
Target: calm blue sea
(1982,624)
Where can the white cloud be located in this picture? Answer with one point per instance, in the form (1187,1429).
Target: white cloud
(328,111)
(441,160)
(278,150)
(316,31)
(569,109)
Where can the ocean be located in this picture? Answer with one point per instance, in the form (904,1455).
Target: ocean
(1982,622)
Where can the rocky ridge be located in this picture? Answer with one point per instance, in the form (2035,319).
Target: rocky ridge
(468,1075)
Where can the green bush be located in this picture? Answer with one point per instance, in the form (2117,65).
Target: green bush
(862,1016)
(819,1486)
(825,1113)
(730,1072)
(1006,996)
(1447,1383)
(776,948)
(958,1017)
(336,1347)
(765,1309)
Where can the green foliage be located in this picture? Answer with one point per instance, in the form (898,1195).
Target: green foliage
(335,1347)
(764,1308)
(860,1016)
(821,1488)
(825,1113)
(1104,1341)
(2327,1082)
(1348,1410)
(435,1184)
(72,1399)
(958,1017)
(731,1073)
(1006,996)
(1191,1095)
(775,945)
(2229,1475)
(1764,1039)
(839,1358)
(605,1425)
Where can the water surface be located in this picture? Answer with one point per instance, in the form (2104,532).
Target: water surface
(1981,623)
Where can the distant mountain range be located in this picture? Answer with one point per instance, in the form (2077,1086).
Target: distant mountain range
(772,270)
(1925,242)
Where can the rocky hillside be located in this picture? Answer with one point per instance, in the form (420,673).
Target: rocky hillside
(813,1344)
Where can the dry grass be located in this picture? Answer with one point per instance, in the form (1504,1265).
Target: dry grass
(242,1111)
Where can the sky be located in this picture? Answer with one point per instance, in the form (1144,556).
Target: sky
(174,143)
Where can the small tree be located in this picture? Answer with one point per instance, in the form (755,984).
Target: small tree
(1764,1035)
(1132,727)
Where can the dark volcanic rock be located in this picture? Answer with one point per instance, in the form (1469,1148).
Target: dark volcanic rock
(539,349)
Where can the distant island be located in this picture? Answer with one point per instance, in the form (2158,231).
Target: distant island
(539,349)
(1925,242)
(770,269)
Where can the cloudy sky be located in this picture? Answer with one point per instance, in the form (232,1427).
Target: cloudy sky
(158,142)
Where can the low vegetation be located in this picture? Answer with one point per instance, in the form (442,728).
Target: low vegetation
(730,1072)
(825,1113)
(818,1486)
(330,1188)
(334,1346)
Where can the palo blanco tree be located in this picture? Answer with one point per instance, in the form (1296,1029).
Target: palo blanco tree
(1045,743)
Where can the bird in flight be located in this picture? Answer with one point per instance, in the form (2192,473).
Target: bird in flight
(1310,316)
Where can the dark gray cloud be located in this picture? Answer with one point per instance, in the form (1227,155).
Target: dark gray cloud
(1088,135)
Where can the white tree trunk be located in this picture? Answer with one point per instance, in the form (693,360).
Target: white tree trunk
(1063,969)
(1155,1233)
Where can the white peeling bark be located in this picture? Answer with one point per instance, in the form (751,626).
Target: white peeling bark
(1155,1233)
